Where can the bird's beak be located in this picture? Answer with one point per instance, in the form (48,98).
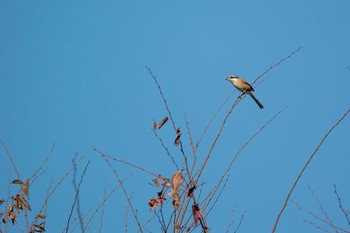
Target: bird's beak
(227,78)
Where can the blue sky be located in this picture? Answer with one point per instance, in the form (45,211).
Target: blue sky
(74,73)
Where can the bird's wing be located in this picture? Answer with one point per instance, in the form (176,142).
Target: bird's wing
(248,84)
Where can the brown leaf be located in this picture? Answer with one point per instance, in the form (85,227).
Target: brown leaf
(176,181)
(25,188)
(13,217)
(176,201)
(156,182)
(17,182)
(190,191)
(160,125)
(178,135)
(43,216)
(161,197)
(25,203)
(154,124)
(153,203)
(196,212)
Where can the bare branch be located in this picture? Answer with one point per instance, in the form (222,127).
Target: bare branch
(122,161)
(346,213)
(276,64)
(304,168)
(45,161)
(321,206)
(318,218)
(166,149)
(238,152)
(125,193)
(11,159)
(163,97)
(76,197)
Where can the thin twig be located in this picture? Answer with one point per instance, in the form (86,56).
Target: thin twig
(11,159)
(276,64)
(163,97)
(317,226)
(317,217)
(126,219)
(102,209)
(76,197)
(57,185)
(103,202)
(232,221)
(123,161)
(321,206)
(45,161)
(212,119)
(191,141)
(166,149)
(125,193)
(304,168)
(216,139)
(346,213)
(239,151)
(240,221)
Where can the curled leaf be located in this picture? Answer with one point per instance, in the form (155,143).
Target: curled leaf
(25,188)
(43,216)
(176,181)
(17,182)
(13,217)
(153,203)
(190,191)
(160,125)
(196,212)
(156,182)
(161,197)
(178,135)
(176,201)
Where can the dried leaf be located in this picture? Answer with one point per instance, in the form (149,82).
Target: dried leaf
(156,182)
(190,191)
(196,212)
(166,184)
(17,182)
(176,201)
(161,177)
(39,227)
(160,125)
(12,217)
(154,124)
(153,203)
(178,135)
(161,197)
(10,209)
(25,188)
(43,216)
(25,203)
(176,181)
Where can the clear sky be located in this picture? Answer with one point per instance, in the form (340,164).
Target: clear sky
(74,73)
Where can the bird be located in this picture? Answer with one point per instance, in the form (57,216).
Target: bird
(244,87)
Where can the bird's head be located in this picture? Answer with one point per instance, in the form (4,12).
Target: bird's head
(232,77)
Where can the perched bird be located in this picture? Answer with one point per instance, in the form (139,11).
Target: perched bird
(244,87)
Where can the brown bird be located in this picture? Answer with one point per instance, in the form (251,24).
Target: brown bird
(244,87)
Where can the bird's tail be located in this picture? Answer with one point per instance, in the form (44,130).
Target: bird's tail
(256,100)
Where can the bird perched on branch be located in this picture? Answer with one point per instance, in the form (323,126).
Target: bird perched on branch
(244,87)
